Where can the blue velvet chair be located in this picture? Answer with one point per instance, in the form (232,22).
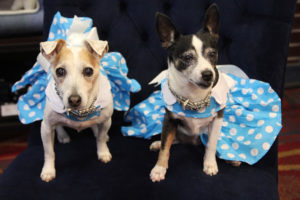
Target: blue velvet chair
(254,35)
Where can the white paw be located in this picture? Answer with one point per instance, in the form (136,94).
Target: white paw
(158,173)
(210,167)
(63,139)
(48,174)
(105,157)
(155,146)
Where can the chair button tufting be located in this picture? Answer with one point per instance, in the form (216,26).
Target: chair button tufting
(123,6)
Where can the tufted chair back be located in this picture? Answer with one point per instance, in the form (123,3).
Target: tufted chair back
(254,35)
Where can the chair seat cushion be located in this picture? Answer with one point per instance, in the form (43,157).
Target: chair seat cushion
(80,175)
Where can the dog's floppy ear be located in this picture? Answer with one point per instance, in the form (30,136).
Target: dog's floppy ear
(96,47)
(211,20)
(166,30)
(51,48)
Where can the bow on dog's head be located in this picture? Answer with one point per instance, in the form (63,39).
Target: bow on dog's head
(193,56)
(75,69)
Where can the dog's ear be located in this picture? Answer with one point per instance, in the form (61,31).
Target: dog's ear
(166,30)
(211,20)
(50,49)
(97,47)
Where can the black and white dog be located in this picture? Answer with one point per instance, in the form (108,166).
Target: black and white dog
(192,74)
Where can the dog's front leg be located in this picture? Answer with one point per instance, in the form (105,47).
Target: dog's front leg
(100,131)
(47,133)
(167,137)
(210,166)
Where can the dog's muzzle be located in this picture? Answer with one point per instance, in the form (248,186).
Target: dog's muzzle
(207,75)
(206,79)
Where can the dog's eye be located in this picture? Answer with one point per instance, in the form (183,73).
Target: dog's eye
(212,54)
(60,72)
(88,71)
(187,58)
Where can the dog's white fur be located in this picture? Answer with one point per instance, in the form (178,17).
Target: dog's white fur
(74,82)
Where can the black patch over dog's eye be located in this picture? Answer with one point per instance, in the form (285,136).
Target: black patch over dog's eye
(187,58)
(88,71)
(60,72)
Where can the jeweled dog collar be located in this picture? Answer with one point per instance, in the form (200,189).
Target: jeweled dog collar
(187,104)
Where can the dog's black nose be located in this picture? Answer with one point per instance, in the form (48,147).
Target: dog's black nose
(207,75)
(74,100)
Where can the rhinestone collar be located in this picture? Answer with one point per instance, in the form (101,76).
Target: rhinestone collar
(187,104)
(79,113)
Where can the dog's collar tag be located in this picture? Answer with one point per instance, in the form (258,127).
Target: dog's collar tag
(185,103)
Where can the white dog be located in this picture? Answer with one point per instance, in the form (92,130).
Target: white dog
(77,87)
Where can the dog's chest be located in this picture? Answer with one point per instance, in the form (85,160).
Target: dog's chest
(79,125)
(59,119)
(193,126)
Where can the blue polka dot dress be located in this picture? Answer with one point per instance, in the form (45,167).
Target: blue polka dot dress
(113,65)
(251,122)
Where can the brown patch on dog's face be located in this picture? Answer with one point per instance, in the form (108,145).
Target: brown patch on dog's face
(89,58)
(60,64)
(64,54)
(89,65)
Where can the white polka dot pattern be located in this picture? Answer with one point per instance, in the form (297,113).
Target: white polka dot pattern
(31,105)
(251,121)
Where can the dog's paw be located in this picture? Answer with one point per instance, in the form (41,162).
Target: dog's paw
(105,157)
(48,174)
(63,139)
(210,167)
(234,163)
(158,173)
(155,146)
